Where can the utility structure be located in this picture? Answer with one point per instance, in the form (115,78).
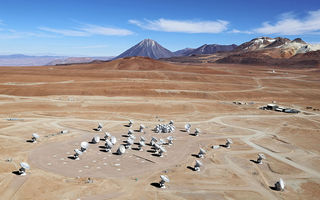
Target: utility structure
(201,153)
(197,165)
(228,143)
(164,179)
(260,158)
(34,138)
(23,167)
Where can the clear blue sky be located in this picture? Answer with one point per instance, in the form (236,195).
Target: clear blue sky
(107,28)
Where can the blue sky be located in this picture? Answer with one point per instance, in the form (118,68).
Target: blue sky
(107,28)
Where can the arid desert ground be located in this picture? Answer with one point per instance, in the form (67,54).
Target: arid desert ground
(48,99)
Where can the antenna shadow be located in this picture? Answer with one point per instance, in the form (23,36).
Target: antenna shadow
(151,151)
(16,173)
(71,157)
(273,188)
(126,125)
(191,168)
(136,130)
(102,150)
(182,130)
(223,145)
(115,153)
(254,161)
(157,185)
(102,147)
(95,129)
(192,134)
(195,155)
(30,141)
(155,154)
(136,149)
(125,135)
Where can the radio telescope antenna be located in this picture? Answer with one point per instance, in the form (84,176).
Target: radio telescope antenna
(77,153)
(107,135)
(153,141)
(161,151)
(99,127)
(113,140)
(108,145)
(170,140)
(142,127)
(35,137)
(130,123)
(130,132)
(171,122)
(141,145)
(279,186)
(164,179)
(161,141)
(84,146)
(142,138)
(260,158)
(197,132)
(121,150)
(129,143)
(132,137)
(23,167)
(197,165)
(228,143)
(95,139)
(187,127)
(64,132)
(201,153)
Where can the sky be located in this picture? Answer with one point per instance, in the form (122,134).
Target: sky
(107,28)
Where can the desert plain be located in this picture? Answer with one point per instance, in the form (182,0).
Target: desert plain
(48,99)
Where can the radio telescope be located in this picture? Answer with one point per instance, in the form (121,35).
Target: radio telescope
(279,186)
(170,140)
(228,143)
(153,141)
(77,153)
(141,145)
(130,132)
(34,137)
(99,127)
(129,143)
(164,179)
(108,145)
(121,150)
(171,122)
(196,132)
(107,135)
(156,147)
(197,165)
(161,141)
(161,151)
(132,137)
(130,123)
(260,158)
(64,132)
(201,153)
(187,127)
(24,166)
(142,138)
(84,146)
(142,127)
(95,139)
(113,140)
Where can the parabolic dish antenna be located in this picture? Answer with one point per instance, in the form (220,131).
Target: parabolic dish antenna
(198,163)
(202,151)
(165,178)
(113,140)
(229,141)
(96,139)
(187,126)
(281,182)
(108,144)
(142,138)
(36,136)
(24,165)
(261,155)
(84,145)
(77,151)
(121,150)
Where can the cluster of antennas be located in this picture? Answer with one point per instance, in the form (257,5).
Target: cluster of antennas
(142,143)
(23,167)
(34,138)
(165,128)
(157,145)
(110,141)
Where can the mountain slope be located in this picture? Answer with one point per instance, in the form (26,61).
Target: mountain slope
(212,48)
(147,48)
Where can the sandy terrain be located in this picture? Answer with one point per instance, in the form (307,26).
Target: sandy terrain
(49,99)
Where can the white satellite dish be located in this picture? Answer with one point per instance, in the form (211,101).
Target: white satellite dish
(279,186)
(201,153)
(107,135)
(113,140)
(64,132)
(99,127)
(84,146)
(129,143)
(161,151)
(164,179)
(142,138)
(197,165)
(187,127)
(196,132)
(132,137)
(108,145)
(130,132)
(161,142)
(171,122)
(130,123)
(95,139)
(35,137)
(142,127)
(141,144)
(24,166)
(121,150)
(260,158)
(156,147)
(170,140)
(228,143)
(153,141)
(77,154)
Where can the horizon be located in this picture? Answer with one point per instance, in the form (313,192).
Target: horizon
(98,28)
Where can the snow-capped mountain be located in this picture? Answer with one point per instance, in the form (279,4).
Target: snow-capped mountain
(148,48)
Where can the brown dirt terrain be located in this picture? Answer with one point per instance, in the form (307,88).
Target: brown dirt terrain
(49,99)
